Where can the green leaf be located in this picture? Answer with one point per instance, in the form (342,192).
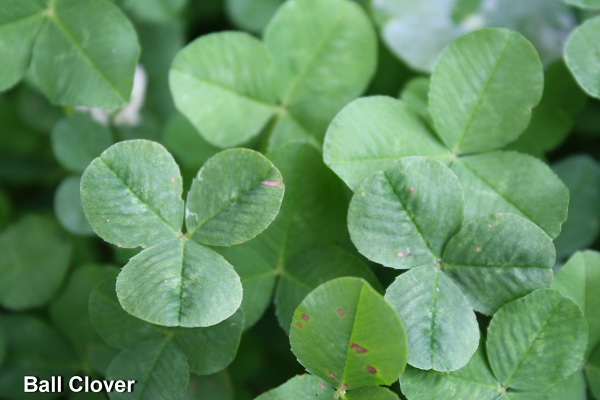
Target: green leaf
(235,196)
(131,194)
(3,340)
(67,207)
(76,141)
(370,133)
(20,22)
(335,335)
(582,56)
(251,15)
(35,350)
(581,174)
(301,387)
(440,324)
(537,340)
(371,393)
(592,372)
(486,81)
(208,350)
(309,269)
(509,182)
(184,284)
(312,213)
(579,280)
(100,54)
(474,381)
(34,262)
(325,54)
(416,94)
(224,83)
(498,258)
(214,387)
(593,4)
(390,217)
(69,312)
(572,388)
(552,121)
(158,367)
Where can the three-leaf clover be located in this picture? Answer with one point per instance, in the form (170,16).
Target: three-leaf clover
(317,55)
(131,196)
(410,216)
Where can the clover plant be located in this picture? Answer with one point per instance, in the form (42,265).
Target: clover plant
(300,199)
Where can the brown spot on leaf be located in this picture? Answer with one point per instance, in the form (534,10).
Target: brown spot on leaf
(344,385)
(341,312)
(371,370)
(298,324)
(322,386)
(332,375)
(305,316)
(358,348)
(271,183)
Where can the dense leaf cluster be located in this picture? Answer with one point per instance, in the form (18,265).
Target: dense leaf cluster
(274,200)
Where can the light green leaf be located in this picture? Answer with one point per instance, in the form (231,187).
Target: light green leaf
(67,207)
(34,262)
(208,350)
(301,387)
(593,4)
(224,83)
(416,94)
(579,279)
(498,258)
(235,196)
(251,15)
(581,174)
(184,284)
(35,350)
(509,182)
(158,367)
(309,269)
(440,324)
(537,340)
(582,56)
(335,335)
(98,54)
(474,381)
(370,133)
(371,393)
(390,217)
(20,22)
(312,213)
(592,372)
(69,312)
(487,81)
(76,141)
(325,54)
(131,194)
(572,388)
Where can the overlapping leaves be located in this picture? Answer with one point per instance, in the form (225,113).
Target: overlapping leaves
(131,195)
(411,216)
(317,56)
(472,114)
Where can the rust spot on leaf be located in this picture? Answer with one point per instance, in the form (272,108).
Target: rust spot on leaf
(400,254)
(305,316)
(271,183)
(358,348)
(478,249)
(341,312)
(371,370)
(322,386)
(331,375)
(412,189)
(298,324)
(344,385)
(172,180)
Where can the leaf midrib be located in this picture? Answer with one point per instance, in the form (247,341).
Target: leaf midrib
(362,288)
(486,85)
(152,366)
(156,212)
